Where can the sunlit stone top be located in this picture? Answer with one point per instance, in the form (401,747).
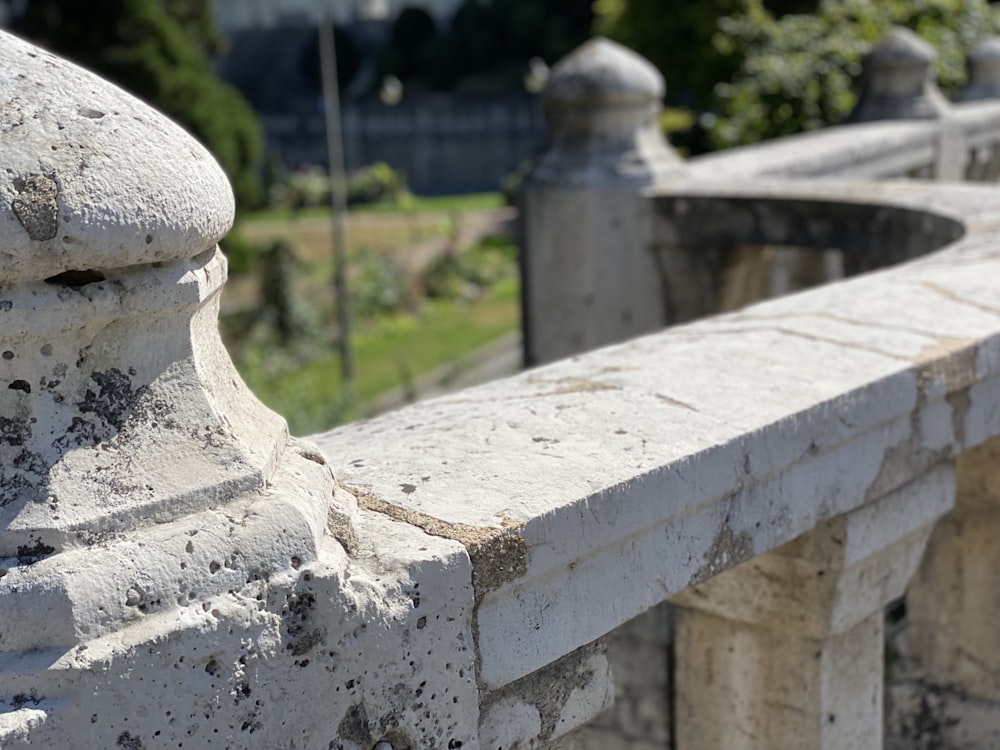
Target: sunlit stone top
(603,72)
(92,177)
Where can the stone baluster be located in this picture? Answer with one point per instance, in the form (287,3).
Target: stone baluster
(786,650)
(176,570)
(589,276)
(949,694)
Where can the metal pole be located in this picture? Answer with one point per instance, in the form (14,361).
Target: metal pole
(338,190)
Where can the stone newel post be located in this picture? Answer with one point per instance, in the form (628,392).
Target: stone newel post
(898,81)
(175,566)
(590,278)
(984,72)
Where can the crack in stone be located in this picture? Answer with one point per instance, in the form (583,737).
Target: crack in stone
(950,295)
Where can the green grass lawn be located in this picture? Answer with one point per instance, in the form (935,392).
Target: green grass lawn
(388,353)
(411,204)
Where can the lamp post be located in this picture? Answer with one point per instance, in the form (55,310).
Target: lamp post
(338,189)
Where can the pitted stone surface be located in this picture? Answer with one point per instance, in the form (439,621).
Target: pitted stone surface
(174,569)
(93,178)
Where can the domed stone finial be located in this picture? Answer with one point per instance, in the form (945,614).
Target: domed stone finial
(601,73)
(984,72)
(602,104)
(93,178)
(143,488)
(109,218)
(898,80)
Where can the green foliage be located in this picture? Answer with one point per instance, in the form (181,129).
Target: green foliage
(379,286)
(309,188)
(758,69)
(392,347)
(457,275)
(139,46)
(799,72)
(376,183)
(288,316)
(243,255)
(305,392)
(198,21)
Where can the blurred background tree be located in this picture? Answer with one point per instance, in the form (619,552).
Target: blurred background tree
(159,50)
(487,45)
(748,70)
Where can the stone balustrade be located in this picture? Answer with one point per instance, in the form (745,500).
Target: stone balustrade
(179,572)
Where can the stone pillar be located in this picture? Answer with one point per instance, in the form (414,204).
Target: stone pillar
(951,646)
(984,72)
(897,81)
(176,570)
(786,650)
(589,276)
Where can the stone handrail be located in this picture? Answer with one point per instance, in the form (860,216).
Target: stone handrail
(625,476)
(180,572)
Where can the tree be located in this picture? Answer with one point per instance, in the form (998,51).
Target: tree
(801,71)
(495,40)
(198,22)
(139,46)
(676,39)
(756,69)
(412,31)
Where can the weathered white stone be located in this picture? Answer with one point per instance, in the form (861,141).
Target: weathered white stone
(175,570)
(647,466)
(951,654)
(790,643)
(179,571)
(923,717)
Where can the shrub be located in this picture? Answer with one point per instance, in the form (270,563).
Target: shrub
(379,286)
(376,183)
(466,274)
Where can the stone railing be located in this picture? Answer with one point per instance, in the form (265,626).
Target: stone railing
(589,278)
(179,572)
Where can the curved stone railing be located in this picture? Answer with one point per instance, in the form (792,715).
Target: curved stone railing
(179,572)
(649,469)
(589,277)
